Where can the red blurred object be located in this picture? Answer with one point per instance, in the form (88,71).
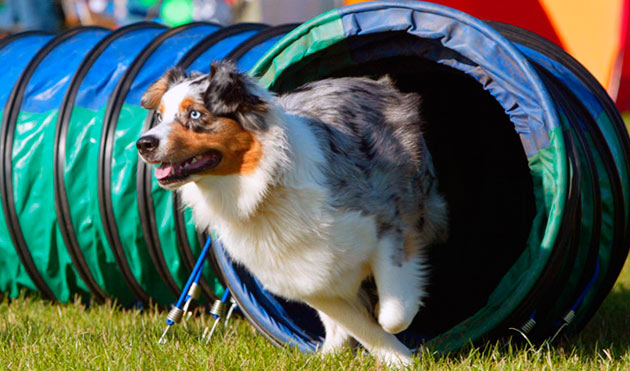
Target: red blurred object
(596,33)
(528,14)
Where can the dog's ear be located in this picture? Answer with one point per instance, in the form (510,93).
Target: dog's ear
(194,74)
(229,93)
(152,97)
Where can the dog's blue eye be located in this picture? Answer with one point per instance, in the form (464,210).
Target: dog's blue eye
(158,116)
(194,114)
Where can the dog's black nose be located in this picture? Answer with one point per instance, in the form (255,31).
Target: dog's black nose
(147,144)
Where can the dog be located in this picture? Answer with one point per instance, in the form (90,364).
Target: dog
(313,191)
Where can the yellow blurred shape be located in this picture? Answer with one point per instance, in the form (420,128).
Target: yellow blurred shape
(590,31)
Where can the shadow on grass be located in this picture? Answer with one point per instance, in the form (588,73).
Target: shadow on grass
(610,327)
(606,335)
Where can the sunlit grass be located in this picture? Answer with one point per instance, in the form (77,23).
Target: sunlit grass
(35,334)
(38,335)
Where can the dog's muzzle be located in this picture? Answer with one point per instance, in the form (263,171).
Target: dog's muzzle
(147,145)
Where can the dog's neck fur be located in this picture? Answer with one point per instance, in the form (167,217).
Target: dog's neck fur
(291,159)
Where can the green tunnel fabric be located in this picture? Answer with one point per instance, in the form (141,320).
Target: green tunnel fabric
(124,160)
(563,189)
(605,135)
(56,237)
(20,48)
(327,40)
(116,232)
(33,161)
(83,139)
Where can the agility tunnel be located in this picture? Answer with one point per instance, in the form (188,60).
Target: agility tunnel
(529,150)
(80,214)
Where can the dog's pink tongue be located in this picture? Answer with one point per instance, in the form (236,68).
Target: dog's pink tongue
(163,171)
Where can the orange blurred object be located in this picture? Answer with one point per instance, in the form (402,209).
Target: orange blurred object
(593,32)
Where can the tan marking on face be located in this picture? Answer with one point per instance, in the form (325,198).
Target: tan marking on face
(161,109)
(189,103)
(240,149)
(152,97)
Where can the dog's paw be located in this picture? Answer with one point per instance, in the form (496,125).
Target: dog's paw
(395,360)
(330,348)
(335,342)
(325,349)
(394,316)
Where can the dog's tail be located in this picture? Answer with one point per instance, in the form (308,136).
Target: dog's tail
(435,226)
(434,223)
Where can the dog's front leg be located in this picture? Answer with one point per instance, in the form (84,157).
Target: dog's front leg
(399,280)
(351,315)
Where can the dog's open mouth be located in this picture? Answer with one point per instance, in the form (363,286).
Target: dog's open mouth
(176,172)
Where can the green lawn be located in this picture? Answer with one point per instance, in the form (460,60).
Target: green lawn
(35,334)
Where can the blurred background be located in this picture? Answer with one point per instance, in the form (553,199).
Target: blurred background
(594,32)
(51,15)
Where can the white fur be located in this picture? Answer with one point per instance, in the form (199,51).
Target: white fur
(278,222)
(399,296)
(171,100)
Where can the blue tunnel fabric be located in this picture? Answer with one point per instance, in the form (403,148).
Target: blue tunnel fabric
(592,103)
(112,232)
(85,123)
(20,49)
(249,59)
(124,161)
(604,131)
(54,72)
(221,48)
(379,30)
(109,67)
(465,44)
(249,52)
(65,119)
(44,93)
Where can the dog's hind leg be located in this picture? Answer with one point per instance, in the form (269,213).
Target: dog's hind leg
(398,273)
(352,316)
(336,336)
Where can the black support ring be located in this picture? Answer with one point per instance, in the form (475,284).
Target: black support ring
(104,165)
(192,55)
(7,134)
(61,198)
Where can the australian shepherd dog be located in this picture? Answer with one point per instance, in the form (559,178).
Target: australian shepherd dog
(313,191)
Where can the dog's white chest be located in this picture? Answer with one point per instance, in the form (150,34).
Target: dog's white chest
(326,256)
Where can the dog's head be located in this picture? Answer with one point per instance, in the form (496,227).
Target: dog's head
(206,125)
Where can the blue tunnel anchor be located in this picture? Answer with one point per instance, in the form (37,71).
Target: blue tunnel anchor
(192,291)
(218,311)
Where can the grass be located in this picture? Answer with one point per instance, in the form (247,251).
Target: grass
(38,335)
